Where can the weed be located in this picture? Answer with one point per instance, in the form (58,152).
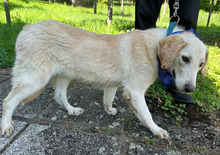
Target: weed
(151,141)
(174,148)
(128,121)
(176,110)
(173,112)
(105,128)
(177,123)
(179,118)
(166,115)
(39,119)
(200,149)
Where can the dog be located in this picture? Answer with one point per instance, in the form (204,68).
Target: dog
(56,52)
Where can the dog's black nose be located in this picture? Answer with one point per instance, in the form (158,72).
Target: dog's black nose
(189,88)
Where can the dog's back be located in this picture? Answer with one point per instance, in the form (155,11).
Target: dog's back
(52,48)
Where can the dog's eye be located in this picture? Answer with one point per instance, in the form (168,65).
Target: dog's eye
(185,59)
(201,64)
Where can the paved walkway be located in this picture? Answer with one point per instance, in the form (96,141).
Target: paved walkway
(43,127)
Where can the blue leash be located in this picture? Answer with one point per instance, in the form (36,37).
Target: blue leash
(170,28)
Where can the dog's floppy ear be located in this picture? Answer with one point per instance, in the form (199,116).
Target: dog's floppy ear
(203,70)
(168,48)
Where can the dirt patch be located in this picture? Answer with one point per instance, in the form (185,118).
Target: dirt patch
(5,71)
(197,132)
(211,42)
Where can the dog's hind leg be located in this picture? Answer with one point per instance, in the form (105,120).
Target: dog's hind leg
(137,102)
(109,94)
(61,83)
(22,89)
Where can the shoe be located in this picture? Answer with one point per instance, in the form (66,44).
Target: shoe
(179,96)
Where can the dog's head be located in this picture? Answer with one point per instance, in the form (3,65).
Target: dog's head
(183,55)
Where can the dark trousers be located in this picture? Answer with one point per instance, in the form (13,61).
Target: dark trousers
(147,13)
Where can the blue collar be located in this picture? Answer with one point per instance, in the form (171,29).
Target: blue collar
(165,77)
(179,32)
(171,27)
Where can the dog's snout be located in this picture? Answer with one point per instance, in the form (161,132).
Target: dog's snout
(189,88)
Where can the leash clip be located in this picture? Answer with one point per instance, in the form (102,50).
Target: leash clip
(176,7)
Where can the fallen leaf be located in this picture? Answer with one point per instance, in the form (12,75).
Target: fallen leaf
(170,142)
(129,112)
(96,103)
(159,100)
(178,119)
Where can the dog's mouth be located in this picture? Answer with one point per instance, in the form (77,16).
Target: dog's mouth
(174,74)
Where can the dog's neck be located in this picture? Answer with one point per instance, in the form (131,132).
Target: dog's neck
(164,74)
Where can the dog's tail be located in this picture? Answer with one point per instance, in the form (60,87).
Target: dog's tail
(30,98)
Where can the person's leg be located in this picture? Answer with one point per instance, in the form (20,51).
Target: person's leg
(146,13)
(188,12)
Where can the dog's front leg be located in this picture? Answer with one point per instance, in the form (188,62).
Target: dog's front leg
(137,102)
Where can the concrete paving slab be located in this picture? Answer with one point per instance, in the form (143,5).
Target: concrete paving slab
(6,141)
(30,109)
(91,101)
(41,139)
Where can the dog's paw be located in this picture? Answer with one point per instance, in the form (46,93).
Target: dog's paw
(161,133)
(113,111)
(7,129)
(75,111)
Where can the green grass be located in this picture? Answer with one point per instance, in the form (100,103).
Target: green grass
(30,12)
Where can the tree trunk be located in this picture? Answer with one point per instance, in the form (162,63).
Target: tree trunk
(94,6)
(210,12)
(122,3)
(164,9)
(74,3)
(110,8)
(8,18)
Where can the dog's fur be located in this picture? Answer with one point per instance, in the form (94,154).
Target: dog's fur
(50,50)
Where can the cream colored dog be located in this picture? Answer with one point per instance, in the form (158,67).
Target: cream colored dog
(50,50)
